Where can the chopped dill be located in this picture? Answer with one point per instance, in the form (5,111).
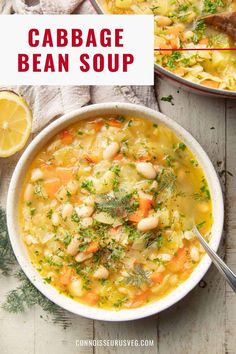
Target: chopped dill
(138,277)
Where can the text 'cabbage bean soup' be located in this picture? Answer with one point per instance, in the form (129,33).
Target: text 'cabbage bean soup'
(107,211)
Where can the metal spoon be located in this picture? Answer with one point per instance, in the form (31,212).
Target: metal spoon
(230,277)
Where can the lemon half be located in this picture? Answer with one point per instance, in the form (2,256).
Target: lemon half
(15,123)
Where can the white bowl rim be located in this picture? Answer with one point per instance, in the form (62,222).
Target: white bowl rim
(20,250)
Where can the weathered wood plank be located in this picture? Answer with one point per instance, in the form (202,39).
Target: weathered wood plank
(230,223)
(197,323)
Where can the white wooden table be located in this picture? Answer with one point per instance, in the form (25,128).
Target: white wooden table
(205,320)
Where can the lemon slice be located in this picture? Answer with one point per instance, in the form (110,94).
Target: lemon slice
(15,123)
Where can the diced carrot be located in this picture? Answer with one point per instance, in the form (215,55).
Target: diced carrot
(51,187)
(139,300)
(179,71)
(91,158)
(203,229)
(173,30)
(210,83)
(204,41)
(66,137)
(48,170)
(47,167)
(90,298)
(118,157)
(97,124)
(92,248)
(177,262)
(157,277)
(114,123)
(144,158)
(174,42)
(136,216)
(66,276)
(166,52)
(64,175)
(145,205)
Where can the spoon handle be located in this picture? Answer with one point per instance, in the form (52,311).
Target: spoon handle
(222,267)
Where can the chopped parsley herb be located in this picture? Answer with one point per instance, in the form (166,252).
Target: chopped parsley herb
(211,6)
(68,194)
(74,217)
(39,191)
(120,302)
(49,214)
(180,146)
(168,99)
(200,225)
(115,185)
(198,31)
(115,169)
(172,59)
(32,211)
(183,7)
(204,193)
(88,185)
(48,280)
(67,239)
(169,160)
(121,119)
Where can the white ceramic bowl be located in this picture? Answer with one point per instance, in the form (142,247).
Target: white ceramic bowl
(20,249)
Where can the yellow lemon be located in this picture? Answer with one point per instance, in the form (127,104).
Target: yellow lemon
(15,123)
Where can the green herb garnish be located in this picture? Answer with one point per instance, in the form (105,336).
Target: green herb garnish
(138,277)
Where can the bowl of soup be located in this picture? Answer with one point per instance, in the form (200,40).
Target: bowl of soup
(180,25)
(101,208)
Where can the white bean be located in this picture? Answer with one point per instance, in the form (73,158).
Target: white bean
(146,169)
(84,211)
(188,34)
(29,191)
(188,235)
(29,240)
(101,273)
(73,246)
(67,211)
(76,287)
(86,222)
(37,174)
(111,150)
(81,257)
(147,224)
(55,219)
(194,253)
